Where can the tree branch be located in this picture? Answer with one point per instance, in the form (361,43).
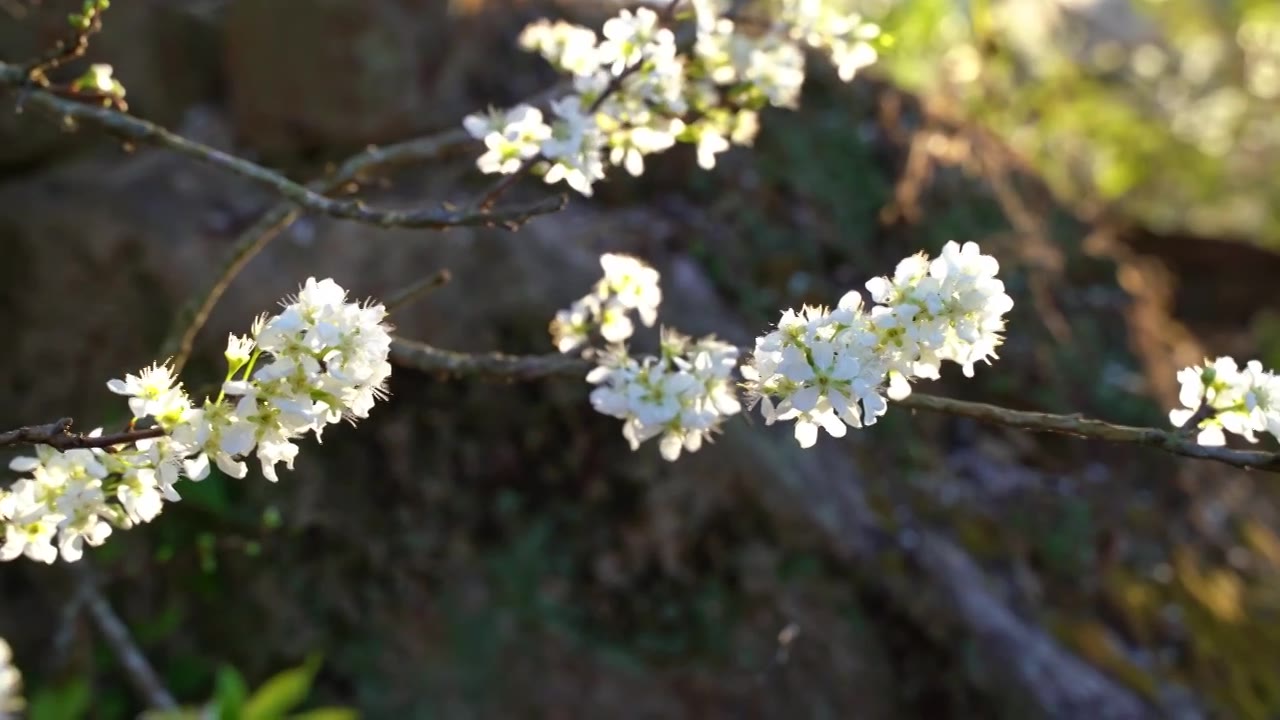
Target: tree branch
(425,358)
(193,316)
(131,128)
(132,659)
(67,50)
(1169,441)
(494,365)
(414,292)
(58,436)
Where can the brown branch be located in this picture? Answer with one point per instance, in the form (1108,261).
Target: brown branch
(58,436)
(505,183)
(193,316)
(135,129)
(414,292)
(91,96)
(65,51)
(428,359)
(1166,440)
(493,365)
(132,659)
(1191,427)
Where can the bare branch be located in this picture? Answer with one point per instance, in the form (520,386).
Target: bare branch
(131,128)
(251,242)
(135,663)
(193,316)
(415,291)
(433,360)
(1169,441)
(58,436)
(1191,427)
(428,359)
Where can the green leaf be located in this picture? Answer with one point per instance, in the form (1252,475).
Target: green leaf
(193,713)
(328,713)
(60,703)
(230,692)
(282,693)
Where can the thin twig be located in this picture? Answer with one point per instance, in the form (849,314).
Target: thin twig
(505,183)
(135,129)
(1191,427)
(1166,440)
(65,51)
(193,316)
(144,677)
(58,435)
(415,291)
(67,633)
(428,359)
(494,365)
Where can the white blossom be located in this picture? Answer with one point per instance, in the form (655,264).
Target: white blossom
(1227,398)
(830,369)
(569,47)
(950,308)
(574,146)
(629,286)
(510,138)
(681,398)
(636,93)
(629,37)
(11,700)
(320,360)
(572,326)
(151,392)
(239,351)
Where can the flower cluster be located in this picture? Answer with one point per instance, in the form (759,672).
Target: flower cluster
(636,92)
(628,285)
(11,700)
(836,368)
(683,396)
(318,361)
(846,38)
(1221,396)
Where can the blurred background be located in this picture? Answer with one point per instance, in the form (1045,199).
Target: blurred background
(481,549)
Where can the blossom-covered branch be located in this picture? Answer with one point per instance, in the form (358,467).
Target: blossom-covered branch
(320,360)
(425,358)
(638,90)
(837,368)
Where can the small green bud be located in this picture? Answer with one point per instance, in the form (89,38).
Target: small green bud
(1208,376)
